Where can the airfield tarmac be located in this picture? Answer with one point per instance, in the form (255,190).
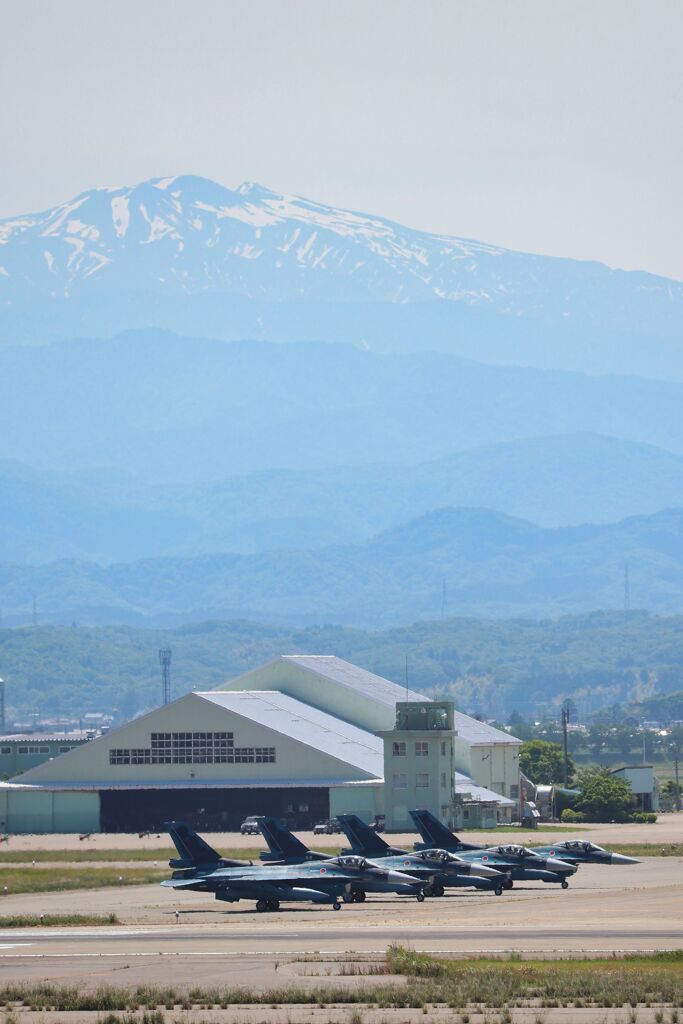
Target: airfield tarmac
(605,909)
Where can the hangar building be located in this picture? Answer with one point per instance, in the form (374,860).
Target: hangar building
(296,738)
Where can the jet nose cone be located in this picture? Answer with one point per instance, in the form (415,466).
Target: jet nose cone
(560,868)
(483,870)
(400,878)
(620,858)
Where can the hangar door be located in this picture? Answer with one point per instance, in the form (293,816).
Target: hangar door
(216,810)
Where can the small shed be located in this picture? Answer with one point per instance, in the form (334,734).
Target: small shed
(645,786)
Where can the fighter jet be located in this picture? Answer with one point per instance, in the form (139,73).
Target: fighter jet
(201,869)
(517,862)
(283,846)
(579,851)
(438,869)
(286,848)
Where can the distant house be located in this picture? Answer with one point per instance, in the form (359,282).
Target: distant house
(645,786)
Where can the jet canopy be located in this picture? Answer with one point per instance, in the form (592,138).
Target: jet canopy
(438,856)
(581,846)
(351,862)
(515,850)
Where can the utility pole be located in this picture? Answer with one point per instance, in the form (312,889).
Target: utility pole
(675,750)
(565,721)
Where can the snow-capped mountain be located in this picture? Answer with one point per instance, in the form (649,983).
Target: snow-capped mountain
(188,236)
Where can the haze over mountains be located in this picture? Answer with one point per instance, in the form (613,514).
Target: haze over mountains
(107,516)
(193,255)
(186,409)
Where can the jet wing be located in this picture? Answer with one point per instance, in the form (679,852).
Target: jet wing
(184,883)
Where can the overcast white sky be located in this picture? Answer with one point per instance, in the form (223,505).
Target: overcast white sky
(547,125)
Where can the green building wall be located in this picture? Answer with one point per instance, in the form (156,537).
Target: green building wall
(23,810)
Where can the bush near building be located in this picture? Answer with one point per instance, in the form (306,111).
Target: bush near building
(604,796)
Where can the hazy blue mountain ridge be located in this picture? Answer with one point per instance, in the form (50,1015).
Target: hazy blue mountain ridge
(493,565)
(107,516)
(186,409)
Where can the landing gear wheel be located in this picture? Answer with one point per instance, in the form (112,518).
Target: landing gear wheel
(439,890)
(273,904)
(261,906)
(349,897)
(420,897)
(359,897)
(565,883)
(336,905)
(508,883)
(429,890)
(498,890)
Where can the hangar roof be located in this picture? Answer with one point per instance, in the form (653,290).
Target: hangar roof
(359,679)
(464,784)
(480,733)
(328,666)
(306,724)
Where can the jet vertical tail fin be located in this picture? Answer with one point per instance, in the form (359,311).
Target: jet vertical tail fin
(434,834)
(282,843)
(194,851)
(364,840)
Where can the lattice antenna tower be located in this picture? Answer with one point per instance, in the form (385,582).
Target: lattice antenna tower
(165,662)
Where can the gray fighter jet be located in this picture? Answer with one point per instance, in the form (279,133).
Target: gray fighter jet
(201,869)
(517,862)
(580,851)
(439,869)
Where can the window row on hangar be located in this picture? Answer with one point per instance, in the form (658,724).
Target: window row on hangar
(192,748)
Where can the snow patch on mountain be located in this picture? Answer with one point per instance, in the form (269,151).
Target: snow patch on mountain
(188,235)
(120,215)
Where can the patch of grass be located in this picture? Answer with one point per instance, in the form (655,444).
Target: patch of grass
(603,982)
(649,849)
(19,880)
(87,855)
(459,984)
(48,920)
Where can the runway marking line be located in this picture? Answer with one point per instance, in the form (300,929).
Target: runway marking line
(320,952)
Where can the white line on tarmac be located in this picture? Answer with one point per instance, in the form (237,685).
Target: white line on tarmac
(318,952)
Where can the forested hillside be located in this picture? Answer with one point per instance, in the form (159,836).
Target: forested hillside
(495,666)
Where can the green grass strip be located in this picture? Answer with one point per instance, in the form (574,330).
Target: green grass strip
(609,982)
(54,920)
(20,880)
(9,856)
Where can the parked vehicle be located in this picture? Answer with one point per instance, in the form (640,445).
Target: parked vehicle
(327,828)
(249,826)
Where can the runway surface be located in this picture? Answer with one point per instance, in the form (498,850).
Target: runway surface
(605,909)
